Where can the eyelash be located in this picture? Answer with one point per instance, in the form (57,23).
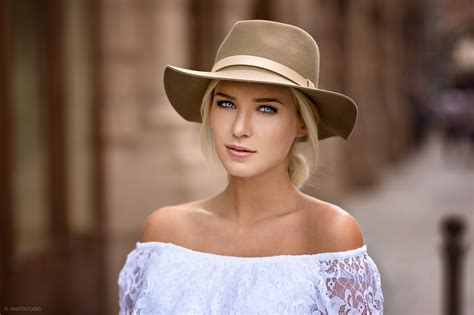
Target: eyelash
(273,109)
(221,103)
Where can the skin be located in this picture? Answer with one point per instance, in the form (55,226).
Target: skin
(259,185)
(260,212)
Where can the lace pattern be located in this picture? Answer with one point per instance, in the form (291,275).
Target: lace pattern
(353,285)
(133,280)
(163,278)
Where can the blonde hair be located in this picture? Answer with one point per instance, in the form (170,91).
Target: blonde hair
(299,170)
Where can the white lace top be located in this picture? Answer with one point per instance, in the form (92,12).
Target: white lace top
(164,278)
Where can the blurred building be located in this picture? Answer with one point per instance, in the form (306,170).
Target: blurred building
(90,145)
(455,30)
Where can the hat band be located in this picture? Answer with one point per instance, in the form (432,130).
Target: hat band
(264,63)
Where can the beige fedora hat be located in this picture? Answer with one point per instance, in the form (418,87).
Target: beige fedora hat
(264,52)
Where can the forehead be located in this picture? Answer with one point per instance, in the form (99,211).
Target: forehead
(252,89)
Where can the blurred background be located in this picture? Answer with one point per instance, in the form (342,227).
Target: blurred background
(89,145)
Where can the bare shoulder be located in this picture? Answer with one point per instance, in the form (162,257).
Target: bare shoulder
(330,228)
(167,223)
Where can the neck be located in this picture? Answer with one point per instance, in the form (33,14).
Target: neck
(251,199)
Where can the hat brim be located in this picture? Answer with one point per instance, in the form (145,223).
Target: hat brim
(185,89)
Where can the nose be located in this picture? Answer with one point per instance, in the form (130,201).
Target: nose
(242,124)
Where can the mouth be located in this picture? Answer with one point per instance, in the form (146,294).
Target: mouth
(239,151)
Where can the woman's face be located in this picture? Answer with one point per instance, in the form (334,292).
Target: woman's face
(258,117)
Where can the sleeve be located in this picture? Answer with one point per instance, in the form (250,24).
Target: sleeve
(353,285)
(132,280)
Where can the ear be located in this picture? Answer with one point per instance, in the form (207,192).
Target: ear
(301,130)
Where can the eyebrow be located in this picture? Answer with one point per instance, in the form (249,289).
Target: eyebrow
(257,100)
(267,100)
(225,95)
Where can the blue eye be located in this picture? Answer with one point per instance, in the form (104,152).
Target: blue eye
(225,104)
(268,109)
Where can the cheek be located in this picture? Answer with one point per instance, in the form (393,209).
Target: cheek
(278,136)
(215,122)
(283,128)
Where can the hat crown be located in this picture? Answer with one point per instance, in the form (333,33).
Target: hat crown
(279,42)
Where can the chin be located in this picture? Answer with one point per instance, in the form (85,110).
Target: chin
(242,171)
(245,170)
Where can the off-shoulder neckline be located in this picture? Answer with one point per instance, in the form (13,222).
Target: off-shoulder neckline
(324,255)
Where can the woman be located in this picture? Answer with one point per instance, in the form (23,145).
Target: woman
(260,246)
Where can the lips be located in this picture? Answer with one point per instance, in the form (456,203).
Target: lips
(239,152)
(240,148)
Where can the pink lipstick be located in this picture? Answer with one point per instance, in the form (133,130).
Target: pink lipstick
(239,151)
